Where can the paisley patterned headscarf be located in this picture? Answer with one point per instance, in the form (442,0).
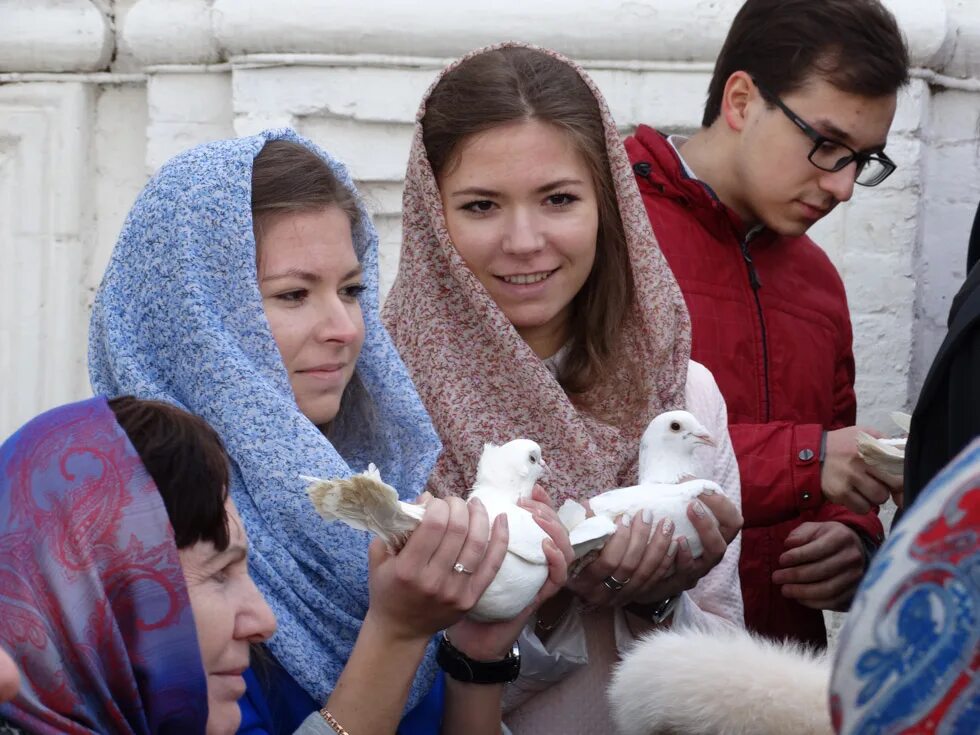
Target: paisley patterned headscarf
(93,605)
(481,382)
(179,318)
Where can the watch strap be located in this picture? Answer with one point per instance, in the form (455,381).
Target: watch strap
(656,613)
(462,668)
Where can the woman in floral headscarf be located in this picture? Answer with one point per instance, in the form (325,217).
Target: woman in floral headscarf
(532,300)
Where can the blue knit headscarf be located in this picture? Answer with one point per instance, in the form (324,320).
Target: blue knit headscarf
(179,318)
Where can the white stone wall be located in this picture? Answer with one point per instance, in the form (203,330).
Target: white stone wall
(95,95)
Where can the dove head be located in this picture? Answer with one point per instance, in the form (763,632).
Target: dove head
(510,469)
(668,443)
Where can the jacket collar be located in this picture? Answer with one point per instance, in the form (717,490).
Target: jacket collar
(665,171)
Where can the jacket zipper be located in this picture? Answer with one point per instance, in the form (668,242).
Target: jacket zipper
(756,284)
(643,169)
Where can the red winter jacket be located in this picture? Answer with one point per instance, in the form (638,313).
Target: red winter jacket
(770,321)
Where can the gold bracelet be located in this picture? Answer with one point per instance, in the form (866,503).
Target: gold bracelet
(332,721)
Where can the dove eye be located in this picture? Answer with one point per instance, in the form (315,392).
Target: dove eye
(674,426)
(534,460)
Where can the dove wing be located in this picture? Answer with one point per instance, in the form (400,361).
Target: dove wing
(366,503)
(590,534)
(613,503)
(525,536)
(571,514)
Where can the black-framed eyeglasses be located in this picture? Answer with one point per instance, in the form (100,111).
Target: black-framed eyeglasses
(832,155)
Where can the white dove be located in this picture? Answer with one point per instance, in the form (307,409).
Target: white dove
(667,486)
(503,475)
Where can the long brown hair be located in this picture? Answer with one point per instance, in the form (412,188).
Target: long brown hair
(289,177)
(514,83)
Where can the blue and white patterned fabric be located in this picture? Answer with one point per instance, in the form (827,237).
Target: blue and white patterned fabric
(179,318)
(909,655)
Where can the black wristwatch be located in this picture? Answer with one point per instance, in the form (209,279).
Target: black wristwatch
(655,614)
(469,671)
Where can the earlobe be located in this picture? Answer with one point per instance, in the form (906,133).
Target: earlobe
(739,92)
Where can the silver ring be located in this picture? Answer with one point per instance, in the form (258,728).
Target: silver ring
(458,567)
(614,584)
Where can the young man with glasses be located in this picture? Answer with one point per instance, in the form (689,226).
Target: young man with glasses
(799,107)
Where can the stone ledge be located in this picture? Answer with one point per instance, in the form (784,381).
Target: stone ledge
(54,36)
(194,31)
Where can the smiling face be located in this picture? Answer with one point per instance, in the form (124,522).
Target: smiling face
(229,613)
(521,210)
(310,279)
(773,182)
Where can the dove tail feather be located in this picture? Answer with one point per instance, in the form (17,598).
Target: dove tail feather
(366,503)
(721,681)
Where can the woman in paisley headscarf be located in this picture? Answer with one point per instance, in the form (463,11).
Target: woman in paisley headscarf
(124,595)
(244,287)
(532,300)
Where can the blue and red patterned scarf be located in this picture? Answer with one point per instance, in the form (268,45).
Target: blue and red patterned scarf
(909,654)
(93,605)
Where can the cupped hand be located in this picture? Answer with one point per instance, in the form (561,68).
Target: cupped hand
(416,592)
(640,554)
(717,521)
(654,567)
(822,566)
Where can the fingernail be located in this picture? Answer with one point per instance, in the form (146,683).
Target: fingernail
(685,545)
(503,521)
(672,548)
(668,527)
(647,515)
(708,491)
(626,520)
(699,509)
(476,501)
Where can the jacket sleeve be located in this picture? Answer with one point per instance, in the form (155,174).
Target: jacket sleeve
(868,525)
(779,462)
(779,465)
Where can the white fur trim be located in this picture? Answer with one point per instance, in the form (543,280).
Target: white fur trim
(720,682)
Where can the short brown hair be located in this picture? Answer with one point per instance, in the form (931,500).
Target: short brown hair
(188,464)
(515,83)
(855,45)
(289,177)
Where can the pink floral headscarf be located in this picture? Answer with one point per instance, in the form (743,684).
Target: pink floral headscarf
(481,382)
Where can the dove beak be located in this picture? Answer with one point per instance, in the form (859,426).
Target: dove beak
(545,469)
(703,437)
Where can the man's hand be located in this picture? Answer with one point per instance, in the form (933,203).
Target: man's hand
(846,479)
(822,566)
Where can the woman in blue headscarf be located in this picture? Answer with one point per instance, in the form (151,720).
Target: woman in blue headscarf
(268,327)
